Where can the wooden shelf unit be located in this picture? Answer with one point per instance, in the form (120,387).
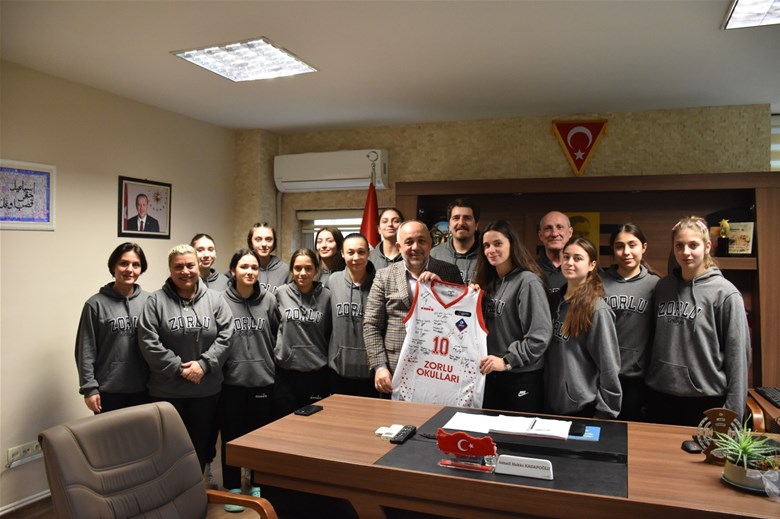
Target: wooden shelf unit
(653,202)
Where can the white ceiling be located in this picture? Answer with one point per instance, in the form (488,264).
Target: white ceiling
(391,62)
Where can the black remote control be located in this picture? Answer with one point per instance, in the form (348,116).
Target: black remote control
(406,432)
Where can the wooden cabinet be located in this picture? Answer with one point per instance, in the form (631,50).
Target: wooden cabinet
(655,203)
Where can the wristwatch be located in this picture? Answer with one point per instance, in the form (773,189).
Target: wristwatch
(507,365)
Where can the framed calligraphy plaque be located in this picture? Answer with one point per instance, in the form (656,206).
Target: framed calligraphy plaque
(26,196)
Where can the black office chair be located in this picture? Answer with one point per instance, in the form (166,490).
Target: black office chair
(133,462)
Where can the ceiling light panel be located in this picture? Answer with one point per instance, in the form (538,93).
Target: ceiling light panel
(752,13)
(250,60)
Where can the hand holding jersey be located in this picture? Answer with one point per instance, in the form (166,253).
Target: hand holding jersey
(493,363)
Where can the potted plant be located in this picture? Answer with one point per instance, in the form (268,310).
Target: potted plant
(750,458)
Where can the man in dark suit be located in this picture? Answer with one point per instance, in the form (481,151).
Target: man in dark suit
(391,296)
(142,221)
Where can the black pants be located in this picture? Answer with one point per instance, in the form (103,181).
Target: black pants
(680,410)
(634,404)
(114,401)
(353,386)
(294,389)
(199,416)
(589,411)
(241,410)
(522,392)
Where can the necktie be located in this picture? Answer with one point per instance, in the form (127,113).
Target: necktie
(142,226)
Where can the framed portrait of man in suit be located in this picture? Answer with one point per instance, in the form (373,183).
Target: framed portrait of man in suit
(144,208)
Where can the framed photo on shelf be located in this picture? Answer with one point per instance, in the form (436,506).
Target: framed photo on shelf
(144,208)
(27,196)
(740,238)
(586,225)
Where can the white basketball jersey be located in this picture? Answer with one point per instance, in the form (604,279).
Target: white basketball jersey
(445,339)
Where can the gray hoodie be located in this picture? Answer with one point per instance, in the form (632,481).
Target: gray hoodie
(632,302)
(274,275)
(518,317)
(304,328)
(216,281)
(107,354)
(466,263)
(172,332)
(347,351)
(583,369)
(702,343)
(378,258)
(250,360)
(326,273)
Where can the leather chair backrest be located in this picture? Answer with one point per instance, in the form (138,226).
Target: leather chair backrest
(133,462)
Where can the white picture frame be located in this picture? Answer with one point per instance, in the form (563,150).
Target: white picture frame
(27,196)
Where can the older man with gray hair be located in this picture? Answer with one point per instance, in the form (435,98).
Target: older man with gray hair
(554,231)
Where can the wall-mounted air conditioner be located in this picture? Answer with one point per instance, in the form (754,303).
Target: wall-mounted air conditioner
(330,171)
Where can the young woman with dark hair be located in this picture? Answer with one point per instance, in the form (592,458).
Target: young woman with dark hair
(349,290)
(246,402)
(387,251)
(206,250)
(628,287)
(112,373)
(328,242)
(583,359)
(273,271)
(305,325)
(518,319)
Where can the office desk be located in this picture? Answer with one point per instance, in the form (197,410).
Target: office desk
(333,453)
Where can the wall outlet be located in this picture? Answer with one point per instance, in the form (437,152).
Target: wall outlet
(23,451)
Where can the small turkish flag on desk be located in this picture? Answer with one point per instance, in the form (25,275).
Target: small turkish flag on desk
(461,444)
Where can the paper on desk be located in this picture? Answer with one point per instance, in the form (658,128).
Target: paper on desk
(524,425)
(550,428)
(470,422)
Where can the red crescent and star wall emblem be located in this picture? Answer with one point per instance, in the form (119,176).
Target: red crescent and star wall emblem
(579,140)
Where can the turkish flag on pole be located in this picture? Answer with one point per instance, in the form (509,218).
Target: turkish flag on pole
(369,225)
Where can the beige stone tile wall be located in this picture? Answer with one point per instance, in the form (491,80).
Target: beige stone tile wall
(693,140)
(254,192)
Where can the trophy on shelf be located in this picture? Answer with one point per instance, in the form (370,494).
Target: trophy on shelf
(440,232)
(722,248)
